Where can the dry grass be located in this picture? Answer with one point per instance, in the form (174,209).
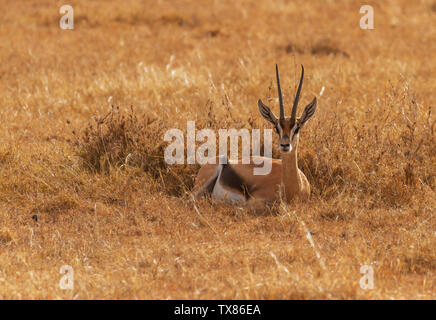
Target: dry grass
(109,206)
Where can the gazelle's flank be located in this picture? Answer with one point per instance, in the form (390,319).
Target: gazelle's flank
(235,182)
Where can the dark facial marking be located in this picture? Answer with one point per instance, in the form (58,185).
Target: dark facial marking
(296,130)
(286,127)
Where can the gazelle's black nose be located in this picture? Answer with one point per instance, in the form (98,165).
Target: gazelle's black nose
(285,147)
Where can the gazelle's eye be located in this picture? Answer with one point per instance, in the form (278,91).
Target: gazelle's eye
(276,129)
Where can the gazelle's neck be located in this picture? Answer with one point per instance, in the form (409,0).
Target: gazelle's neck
(291,180)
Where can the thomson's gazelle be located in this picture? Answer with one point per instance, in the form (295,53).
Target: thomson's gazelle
(236,182)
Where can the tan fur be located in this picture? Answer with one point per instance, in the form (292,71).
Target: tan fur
(265,188)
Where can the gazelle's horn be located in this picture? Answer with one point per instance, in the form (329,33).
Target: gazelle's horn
(297,97)
(282,110)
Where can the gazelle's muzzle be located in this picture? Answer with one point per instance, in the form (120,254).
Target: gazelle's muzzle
(285,147)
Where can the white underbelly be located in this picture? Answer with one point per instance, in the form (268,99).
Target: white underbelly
(228,196)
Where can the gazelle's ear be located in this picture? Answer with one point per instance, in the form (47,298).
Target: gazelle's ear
(266,112)
(307,113)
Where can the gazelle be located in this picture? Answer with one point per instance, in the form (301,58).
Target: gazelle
(236,182)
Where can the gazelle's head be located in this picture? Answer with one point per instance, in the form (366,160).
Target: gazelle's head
(288,127)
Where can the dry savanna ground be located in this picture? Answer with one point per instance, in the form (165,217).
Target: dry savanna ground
(83,113)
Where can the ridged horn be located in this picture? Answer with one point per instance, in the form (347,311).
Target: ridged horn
(282,110)
(297,98)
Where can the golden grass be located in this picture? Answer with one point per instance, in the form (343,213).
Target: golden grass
(129,228)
